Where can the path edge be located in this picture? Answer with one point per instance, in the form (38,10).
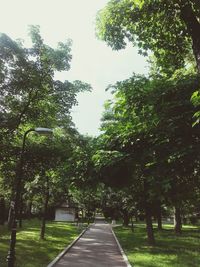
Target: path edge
(121,250)
(52,263)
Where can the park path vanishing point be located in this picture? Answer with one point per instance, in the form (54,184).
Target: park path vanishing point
(97,247)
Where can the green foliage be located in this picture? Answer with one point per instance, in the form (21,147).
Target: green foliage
(149,144)
(166,28)
(29,92)
(195,99)
(31,97)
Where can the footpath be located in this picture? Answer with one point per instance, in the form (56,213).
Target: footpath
(97,247)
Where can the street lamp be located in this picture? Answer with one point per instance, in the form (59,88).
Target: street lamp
(17,189)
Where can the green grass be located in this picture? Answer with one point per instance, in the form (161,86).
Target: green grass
(170,250)
(33,252)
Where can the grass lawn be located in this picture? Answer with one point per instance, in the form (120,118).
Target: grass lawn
(32,252)
(170,250)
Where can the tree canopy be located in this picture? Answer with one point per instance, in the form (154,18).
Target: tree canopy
(148,143)
(168,28)
(31,97)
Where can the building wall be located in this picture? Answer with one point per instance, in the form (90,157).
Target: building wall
(64,215)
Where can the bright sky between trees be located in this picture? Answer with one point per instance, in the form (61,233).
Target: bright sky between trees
(93,61)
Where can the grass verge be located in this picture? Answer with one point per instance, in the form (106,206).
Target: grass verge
(170,250)
(33,252)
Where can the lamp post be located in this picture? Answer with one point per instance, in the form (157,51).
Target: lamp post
(17,190)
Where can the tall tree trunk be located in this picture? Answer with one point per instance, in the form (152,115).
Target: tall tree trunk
(126,218)
(177,220)
(29,208)
(148,217)
(20,211)
(11,210)
(136,217)
(2,210)
(10,216)
(149,226)
(159,216)
(43,225)
(193,27)
(132,225)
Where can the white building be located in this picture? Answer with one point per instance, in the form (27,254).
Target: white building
(66,212)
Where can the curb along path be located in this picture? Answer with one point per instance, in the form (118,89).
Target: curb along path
(97,247)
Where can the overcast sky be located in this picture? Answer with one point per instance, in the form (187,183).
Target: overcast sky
(93,61)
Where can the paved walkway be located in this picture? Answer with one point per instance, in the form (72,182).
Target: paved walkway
(96,248)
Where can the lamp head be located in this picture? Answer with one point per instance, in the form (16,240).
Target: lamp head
(43,131)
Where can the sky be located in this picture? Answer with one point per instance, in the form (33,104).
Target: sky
(92,60)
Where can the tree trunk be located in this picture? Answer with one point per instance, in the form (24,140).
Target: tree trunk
(136,217)
(11,211)
(10,217)
(149,226)
(28,209)
(43,225)
(193,27)
(132,225)
(2,210)
(159,220)
(177,220)
(20,211)
(159,216)
(126,218)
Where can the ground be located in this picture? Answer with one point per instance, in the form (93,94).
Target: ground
(170,250)
(33,252)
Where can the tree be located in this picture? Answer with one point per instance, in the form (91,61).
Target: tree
(31,97)
(28,88)
(148,126)
(177,155)
(168,28)
(127,124)
(46,184)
